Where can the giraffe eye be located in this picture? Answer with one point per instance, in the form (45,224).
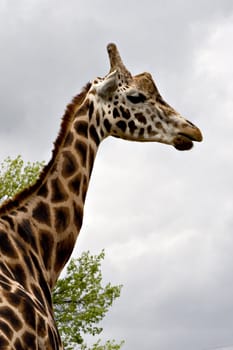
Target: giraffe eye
(136,98)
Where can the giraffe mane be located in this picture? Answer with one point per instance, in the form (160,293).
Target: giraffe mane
(77,101)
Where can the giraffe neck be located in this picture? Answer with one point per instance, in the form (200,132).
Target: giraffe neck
(49,215)
(64,189)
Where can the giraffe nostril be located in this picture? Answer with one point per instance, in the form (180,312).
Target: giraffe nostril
(194,126)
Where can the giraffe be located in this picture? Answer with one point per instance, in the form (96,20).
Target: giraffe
(40,225)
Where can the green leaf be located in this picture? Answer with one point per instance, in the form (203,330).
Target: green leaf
(81,302)
(15,176)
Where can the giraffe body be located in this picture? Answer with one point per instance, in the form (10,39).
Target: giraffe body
(39,227)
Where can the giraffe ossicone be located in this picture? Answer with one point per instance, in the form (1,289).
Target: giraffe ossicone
(39,227)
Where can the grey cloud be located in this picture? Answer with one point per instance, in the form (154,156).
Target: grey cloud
(164,217)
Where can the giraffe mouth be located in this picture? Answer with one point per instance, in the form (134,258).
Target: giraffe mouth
(184,142)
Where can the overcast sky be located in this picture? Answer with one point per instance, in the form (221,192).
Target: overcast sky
(165,218)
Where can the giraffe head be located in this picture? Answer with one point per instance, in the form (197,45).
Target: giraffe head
(133,108)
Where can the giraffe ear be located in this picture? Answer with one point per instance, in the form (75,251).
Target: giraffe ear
(106,87)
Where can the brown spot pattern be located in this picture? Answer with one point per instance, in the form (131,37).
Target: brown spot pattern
(121,125)
(132,126)
(116,113)
(125,113)
(81,149)
(6,246)
(46,247)
(78,215)
(7,313)
(64,250)
(25,231)
(74,184)
(41,213)
(43,191)
(82,128)
(62,219)
(107,125)
(94,135)
(69,164)
(58,192)
(140,117)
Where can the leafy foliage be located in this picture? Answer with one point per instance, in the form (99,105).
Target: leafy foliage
(15,176)
(81,302)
